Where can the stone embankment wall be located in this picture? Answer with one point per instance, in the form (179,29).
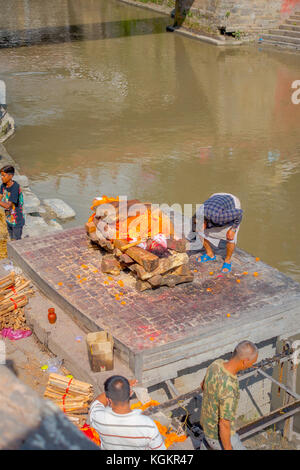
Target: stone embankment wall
(248,17)
(7,125)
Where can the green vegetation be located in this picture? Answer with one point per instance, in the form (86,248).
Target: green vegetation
(237,34)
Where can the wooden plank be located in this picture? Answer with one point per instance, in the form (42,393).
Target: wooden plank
(147,260)
(165,265)
(177,245)
(141,286)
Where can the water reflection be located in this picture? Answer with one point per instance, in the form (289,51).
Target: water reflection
(82,32)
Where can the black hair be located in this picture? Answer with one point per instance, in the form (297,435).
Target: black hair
(117,388)
(8,169)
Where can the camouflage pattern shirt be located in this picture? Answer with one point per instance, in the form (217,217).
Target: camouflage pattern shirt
(220,399)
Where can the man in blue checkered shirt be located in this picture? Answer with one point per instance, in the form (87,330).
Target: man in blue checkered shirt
(219,219)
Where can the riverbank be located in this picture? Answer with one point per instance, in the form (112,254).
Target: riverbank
(40,216)
(193,28)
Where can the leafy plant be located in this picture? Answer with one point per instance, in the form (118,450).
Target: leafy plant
(237,34)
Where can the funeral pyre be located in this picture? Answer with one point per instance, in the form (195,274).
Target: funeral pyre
(140,240)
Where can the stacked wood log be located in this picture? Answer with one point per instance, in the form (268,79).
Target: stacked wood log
(14,293)
(152,268)
(72,396)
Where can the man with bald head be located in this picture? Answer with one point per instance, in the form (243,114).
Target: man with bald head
(221,396)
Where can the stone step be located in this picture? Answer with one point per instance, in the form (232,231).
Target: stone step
(282,44)
(281,38)
(293,22)
(285,32)
(295,16)
(290,27)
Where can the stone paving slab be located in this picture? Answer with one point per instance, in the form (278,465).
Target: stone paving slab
(156,328)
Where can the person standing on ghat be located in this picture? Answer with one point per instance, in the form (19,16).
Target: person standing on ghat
(11,199)
(119,427)
(221,396)
(220,217)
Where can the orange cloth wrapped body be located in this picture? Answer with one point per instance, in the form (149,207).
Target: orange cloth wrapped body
(142,225)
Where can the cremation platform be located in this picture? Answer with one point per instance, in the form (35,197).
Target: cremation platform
(160,332)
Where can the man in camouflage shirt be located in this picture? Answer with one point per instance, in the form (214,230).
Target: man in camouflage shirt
(221,395)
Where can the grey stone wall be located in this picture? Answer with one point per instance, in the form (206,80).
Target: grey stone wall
(208,16)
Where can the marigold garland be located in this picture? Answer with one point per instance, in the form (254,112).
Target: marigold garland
(170,437)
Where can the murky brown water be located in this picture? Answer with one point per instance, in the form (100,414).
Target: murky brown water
(107,102)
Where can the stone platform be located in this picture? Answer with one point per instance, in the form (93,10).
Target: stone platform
(160,332)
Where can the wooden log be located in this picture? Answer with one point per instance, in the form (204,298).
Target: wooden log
(130,245)
(110,265)
(165,265)
(177,245)
(183,270)
(90,227)
(148,260)
(172,280)
(124,258)
(142,285)
(93,237)
(118,243)
(155,281)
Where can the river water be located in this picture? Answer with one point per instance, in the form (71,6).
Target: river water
(107,102)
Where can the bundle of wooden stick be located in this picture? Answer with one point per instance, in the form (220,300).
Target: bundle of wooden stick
(151,268)
(72,396)
(14,293)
